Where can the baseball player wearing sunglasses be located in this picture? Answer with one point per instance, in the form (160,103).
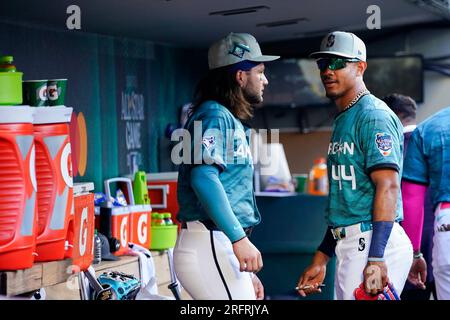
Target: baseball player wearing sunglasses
(364,170)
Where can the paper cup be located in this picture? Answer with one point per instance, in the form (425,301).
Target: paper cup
(56,91)
(35,93)
(301,181)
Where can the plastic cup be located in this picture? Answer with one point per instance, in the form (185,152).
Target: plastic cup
(35,93)
(301,182)
(56,91)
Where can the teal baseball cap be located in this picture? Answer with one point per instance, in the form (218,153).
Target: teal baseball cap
(235,48)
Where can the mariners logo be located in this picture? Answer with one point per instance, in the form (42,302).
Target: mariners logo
(362,244)
(383,142)
(209,142)
(239,50)
(330,40)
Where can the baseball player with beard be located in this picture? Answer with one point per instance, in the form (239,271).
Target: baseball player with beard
(427,164)
(364,170)
(213,256)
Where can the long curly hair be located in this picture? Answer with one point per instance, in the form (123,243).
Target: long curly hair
(220,85)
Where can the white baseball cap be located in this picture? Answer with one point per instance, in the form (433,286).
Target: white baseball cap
(234,48)
(343,44)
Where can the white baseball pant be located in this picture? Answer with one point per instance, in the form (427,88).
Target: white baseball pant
(351,259)
(207,268)
(441,252)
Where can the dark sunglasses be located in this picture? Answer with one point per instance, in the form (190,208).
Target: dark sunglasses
(333,63)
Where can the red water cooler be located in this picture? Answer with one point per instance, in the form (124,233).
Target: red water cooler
(17,188)
(139,214)
(54,183)
(113,222)
(162,190)
(83,236)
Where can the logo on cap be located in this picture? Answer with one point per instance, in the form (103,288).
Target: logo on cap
(330,40)
(239,50)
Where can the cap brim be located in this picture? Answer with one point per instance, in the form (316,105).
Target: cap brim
(110,257)
(321,54)
(264,58)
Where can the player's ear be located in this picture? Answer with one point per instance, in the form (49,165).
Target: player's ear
(361,67)
(241,78)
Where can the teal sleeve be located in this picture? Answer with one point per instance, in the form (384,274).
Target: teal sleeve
(415,167)
(382,141)
(211,194)
(211,146)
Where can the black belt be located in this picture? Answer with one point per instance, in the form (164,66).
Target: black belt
(210,225)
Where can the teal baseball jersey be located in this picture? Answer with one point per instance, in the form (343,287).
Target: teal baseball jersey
(218,138)
(427,160)
(366,137)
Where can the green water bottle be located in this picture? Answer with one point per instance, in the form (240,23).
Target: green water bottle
(6,64)
(160,220)
(168,218)
(154,218)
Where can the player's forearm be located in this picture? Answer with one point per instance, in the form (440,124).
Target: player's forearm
(385,201)
(320,258)
(384,209)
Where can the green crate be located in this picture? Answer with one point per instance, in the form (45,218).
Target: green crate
(163,237)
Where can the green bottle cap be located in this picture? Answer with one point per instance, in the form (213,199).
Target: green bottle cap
(6,59)
(6,64)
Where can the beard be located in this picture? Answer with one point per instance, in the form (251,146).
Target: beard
(252,97)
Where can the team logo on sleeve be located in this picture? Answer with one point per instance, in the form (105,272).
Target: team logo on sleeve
(209,142)
(383,142)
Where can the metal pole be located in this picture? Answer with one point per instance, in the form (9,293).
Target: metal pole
(173,286)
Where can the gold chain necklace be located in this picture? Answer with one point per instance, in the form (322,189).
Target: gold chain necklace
(358,96)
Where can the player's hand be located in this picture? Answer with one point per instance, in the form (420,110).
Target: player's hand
(418,273)
(375,277)
(258,286)
(311,278)
(249,257)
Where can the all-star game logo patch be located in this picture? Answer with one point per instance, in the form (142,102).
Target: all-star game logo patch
(209,142)
(239,50)
(383,142)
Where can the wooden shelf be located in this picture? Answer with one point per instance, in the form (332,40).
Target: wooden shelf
(45,274)
(42,274)
(60,284)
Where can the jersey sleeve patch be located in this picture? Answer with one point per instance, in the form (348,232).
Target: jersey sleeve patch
(383,142)
(209,142)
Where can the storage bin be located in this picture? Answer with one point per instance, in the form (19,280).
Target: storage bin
(163,237)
